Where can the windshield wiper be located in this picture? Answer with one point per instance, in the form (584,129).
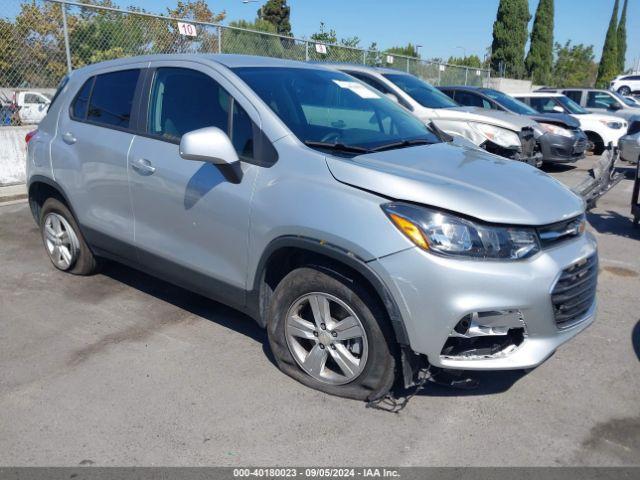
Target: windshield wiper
(402,144)
(340,147)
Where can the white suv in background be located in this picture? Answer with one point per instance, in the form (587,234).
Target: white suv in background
(601,129)
(626,84)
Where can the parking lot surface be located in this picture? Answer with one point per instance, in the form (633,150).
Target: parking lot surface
(124,369)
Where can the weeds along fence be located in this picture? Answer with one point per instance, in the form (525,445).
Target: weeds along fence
(44,39)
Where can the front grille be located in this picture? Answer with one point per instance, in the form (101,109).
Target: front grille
(575,292)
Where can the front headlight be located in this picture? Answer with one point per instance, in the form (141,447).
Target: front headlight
(556,130)
(614,125)
(500,136)
(447,234)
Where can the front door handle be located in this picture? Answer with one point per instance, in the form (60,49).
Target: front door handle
(143,166)
(69,139)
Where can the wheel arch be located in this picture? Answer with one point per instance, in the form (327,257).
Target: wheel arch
(286,253)
(39,189)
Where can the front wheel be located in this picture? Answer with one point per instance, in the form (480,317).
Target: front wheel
(330,333)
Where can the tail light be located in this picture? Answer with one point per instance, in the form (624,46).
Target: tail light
(30,135)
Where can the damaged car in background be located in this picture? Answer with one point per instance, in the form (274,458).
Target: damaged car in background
(562,141)
(505,134)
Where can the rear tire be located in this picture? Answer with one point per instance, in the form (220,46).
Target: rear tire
(354,359)
(63,241)
(624,91)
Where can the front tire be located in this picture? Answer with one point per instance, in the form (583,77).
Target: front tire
(330,333)
(63,241)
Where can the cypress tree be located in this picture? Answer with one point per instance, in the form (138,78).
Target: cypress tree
(622,38)
(608,67)
(539,61)
(510,37)
(277,12)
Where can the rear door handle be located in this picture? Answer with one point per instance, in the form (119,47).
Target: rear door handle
(143,166)
(69,139)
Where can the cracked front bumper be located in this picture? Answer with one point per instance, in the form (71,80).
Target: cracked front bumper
(434,293)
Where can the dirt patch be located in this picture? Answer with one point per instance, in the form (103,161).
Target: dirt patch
(620,271)
(617,436)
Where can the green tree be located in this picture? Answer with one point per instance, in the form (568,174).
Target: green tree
(277,13)
(510,38)
(472,61)
(325,35)
(196,10)
(574,66)
(609,66)
(250,43)
(622,38)
(409,50)
(343,50)
(539,61)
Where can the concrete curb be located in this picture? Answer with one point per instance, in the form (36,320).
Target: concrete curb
(13,193)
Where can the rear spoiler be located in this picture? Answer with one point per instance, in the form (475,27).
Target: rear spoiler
(602,177)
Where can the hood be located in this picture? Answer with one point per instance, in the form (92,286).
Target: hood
(560,119)
(598,117)
(508,120)
(464,180)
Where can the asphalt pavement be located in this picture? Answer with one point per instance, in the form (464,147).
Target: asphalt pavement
(124,369)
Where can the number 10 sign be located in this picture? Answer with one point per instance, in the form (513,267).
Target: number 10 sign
(187,29)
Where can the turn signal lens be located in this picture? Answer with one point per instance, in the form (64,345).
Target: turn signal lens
(410,230)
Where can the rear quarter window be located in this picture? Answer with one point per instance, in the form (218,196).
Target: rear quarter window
(80,103)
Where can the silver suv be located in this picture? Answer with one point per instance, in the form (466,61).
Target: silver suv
(367,246)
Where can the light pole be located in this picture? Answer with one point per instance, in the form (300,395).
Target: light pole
(464,52)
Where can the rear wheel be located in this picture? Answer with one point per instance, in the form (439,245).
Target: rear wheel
(624,91)
(328,332)
(63,241)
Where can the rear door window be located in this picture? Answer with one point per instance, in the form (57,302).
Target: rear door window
(111,100)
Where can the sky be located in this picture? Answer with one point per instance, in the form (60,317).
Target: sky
(443,28)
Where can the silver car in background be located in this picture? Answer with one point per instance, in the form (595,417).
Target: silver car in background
(369,248)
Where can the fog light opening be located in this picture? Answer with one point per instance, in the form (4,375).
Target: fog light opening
(481,335)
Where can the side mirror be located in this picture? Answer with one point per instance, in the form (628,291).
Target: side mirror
(392,96)
(558,109)
(615,107)
(209,144)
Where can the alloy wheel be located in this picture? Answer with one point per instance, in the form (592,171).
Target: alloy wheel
(60,240)
(326,338)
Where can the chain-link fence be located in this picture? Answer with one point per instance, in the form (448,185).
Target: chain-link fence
(47,38)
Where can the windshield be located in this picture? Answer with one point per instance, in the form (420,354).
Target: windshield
(509,102)
(332,109)
(423,93)
(570,105)
(627,101)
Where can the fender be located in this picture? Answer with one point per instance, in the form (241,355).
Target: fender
(334,252)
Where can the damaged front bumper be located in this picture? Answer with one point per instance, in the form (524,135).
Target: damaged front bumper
(528,151)
(601,178)
(483,315)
